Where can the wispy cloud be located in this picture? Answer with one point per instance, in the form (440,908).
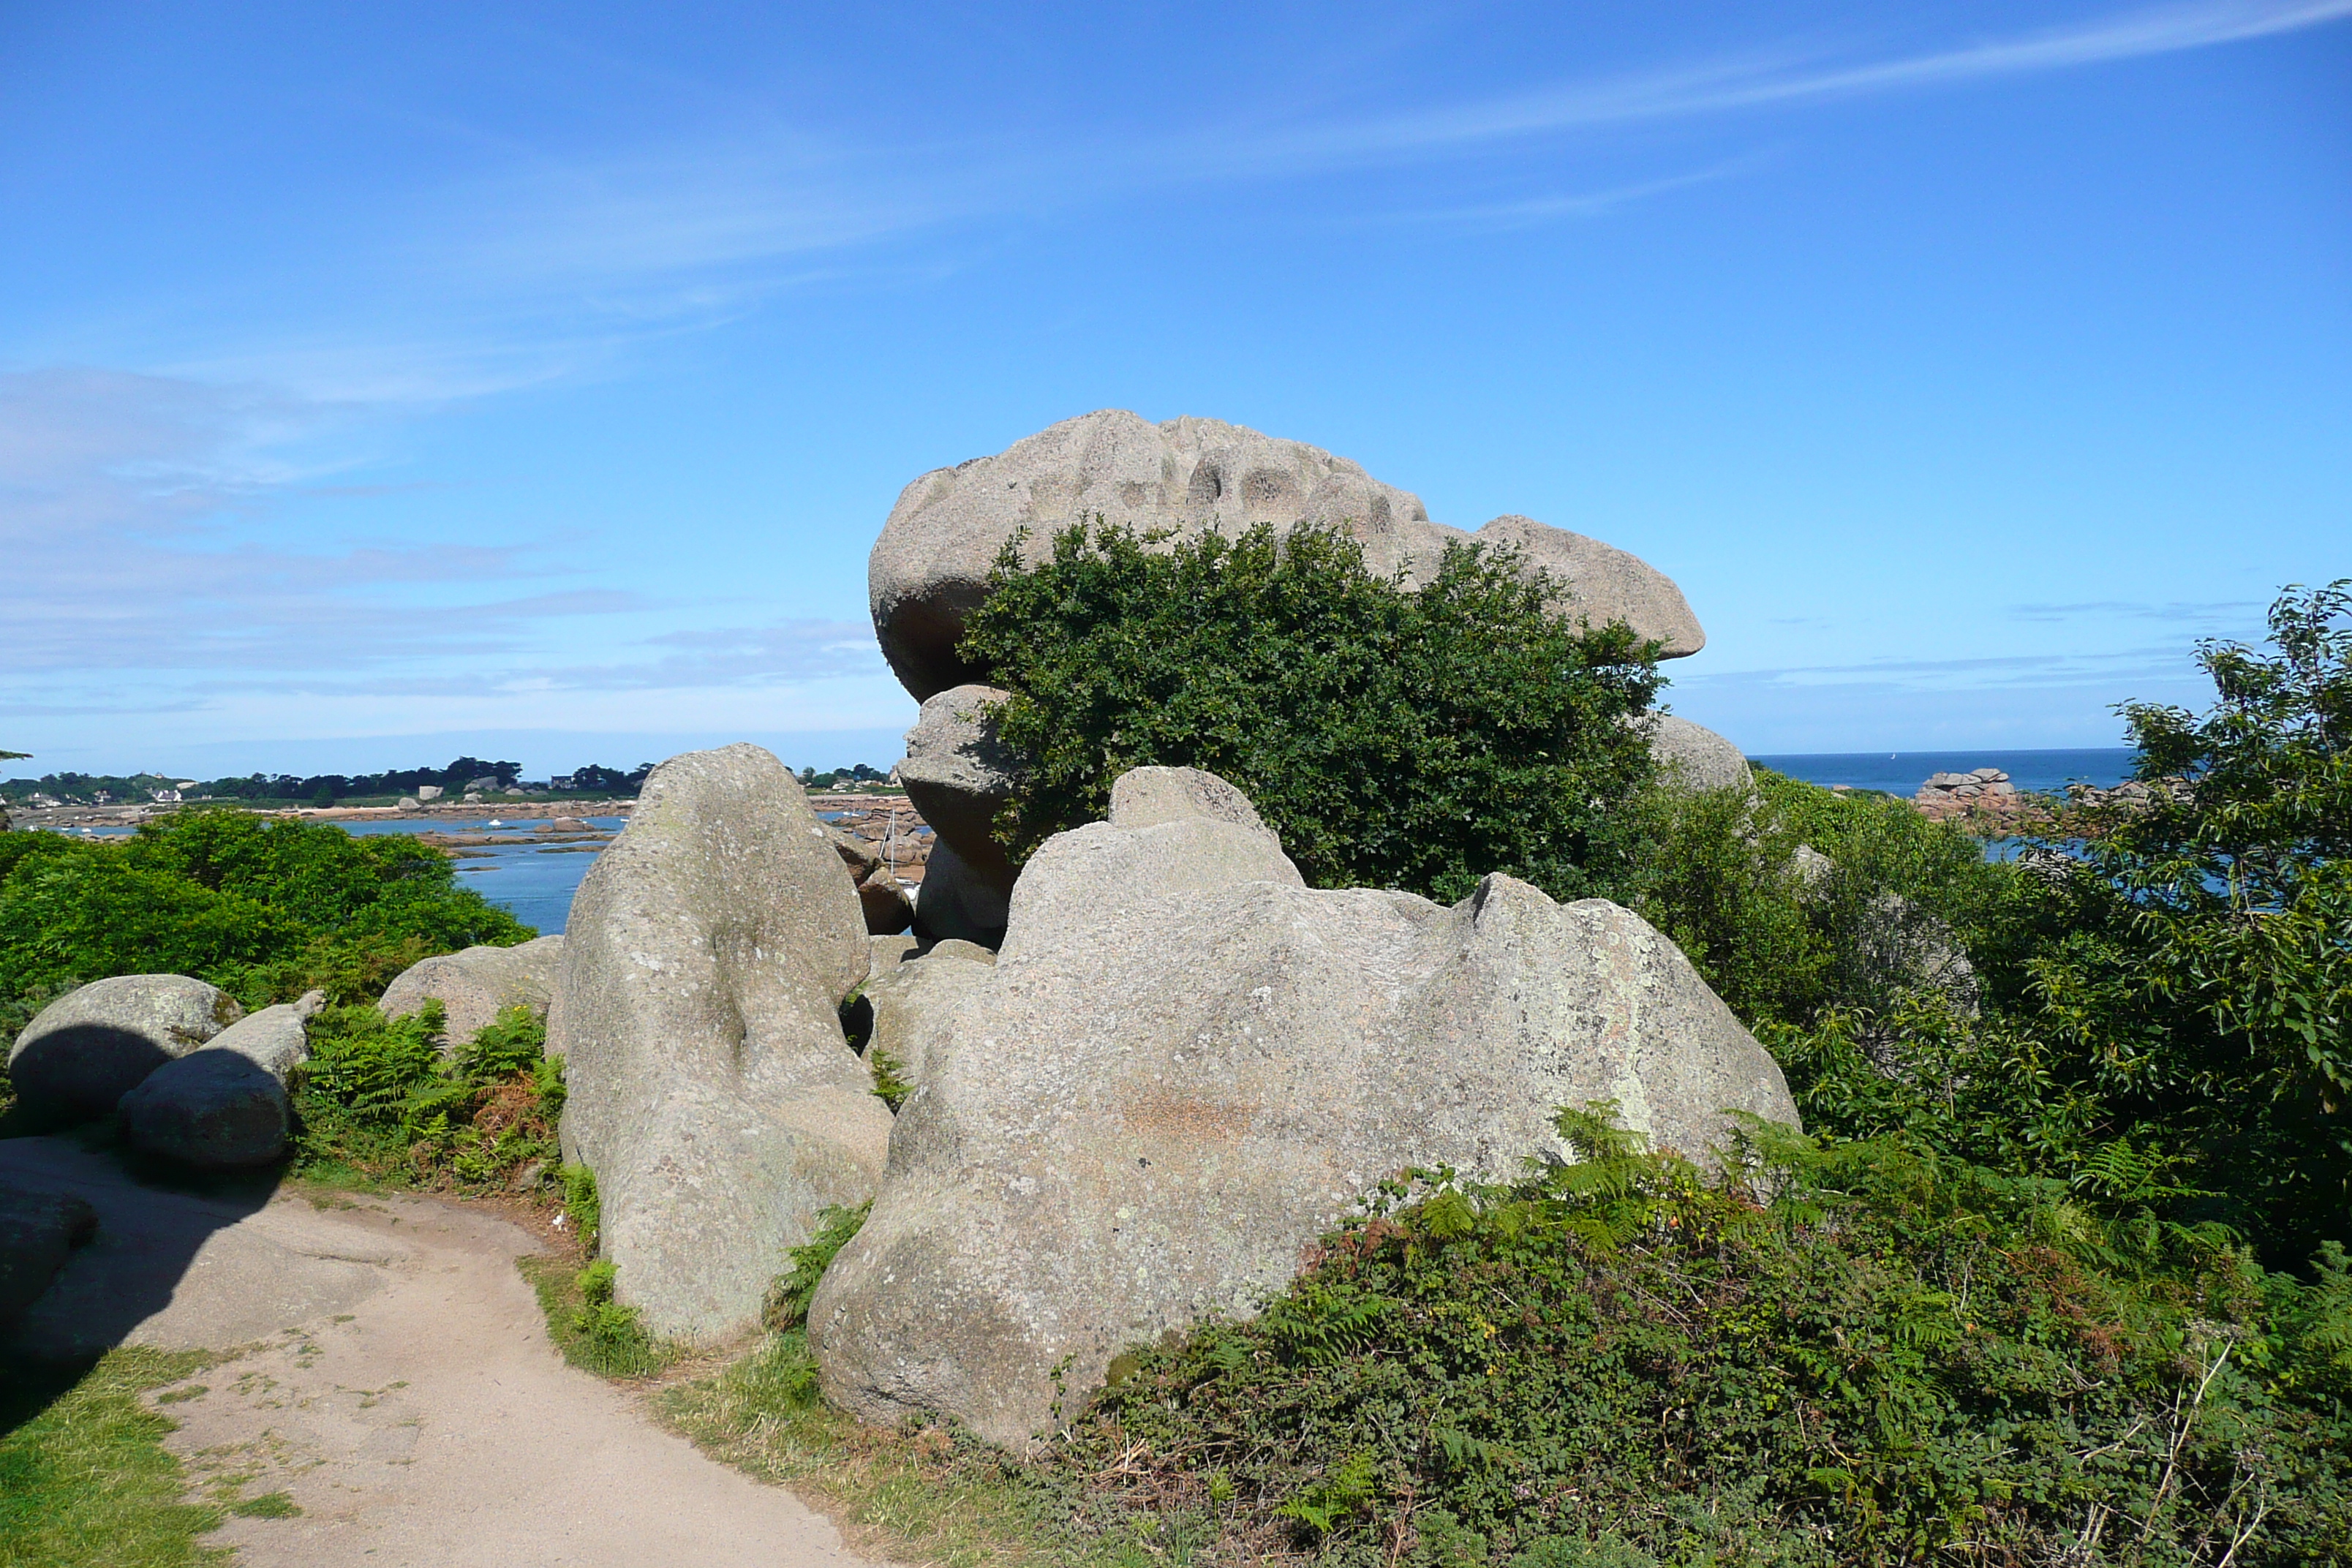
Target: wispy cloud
(1723,86)
(128,515)
(685,234)
(2210,611)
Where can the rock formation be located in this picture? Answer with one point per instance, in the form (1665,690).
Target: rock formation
(1697,757)
(712,1089)
(929,568)
(92,1046)
(959,775)
(956,903)
(223,1106)
(1185,1066)
(476,986)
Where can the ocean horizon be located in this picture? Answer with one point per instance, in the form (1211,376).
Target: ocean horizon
(2047,770)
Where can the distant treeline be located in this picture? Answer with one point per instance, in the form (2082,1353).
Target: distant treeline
(460,775)
(454,779)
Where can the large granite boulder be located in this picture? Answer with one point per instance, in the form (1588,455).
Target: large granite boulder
(910,1003)
(90,1047)
(1185,1066)
(1695,757)
(929,569)
(223,1106)
(712,1089)
(476,986)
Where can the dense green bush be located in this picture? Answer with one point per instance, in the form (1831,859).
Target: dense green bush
(1795,900)
(379,1101)
(1860,1354)
(1393,738)
(265,909)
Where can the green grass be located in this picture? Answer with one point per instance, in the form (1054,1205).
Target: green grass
(592,1331)
(269,1505)
(926,1494)
(84,1475)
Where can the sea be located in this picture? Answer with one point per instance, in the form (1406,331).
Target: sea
(1902,773)
(519,872)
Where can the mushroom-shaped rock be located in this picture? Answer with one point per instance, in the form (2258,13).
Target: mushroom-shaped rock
(1185,1066)
(712,1089)
(92,1046)
(929,568)
(957,903)
(476,986)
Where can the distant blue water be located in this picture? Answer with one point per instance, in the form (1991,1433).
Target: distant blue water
(1902,773)
(531,879)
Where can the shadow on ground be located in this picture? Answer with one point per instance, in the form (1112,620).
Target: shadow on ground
(169,1264)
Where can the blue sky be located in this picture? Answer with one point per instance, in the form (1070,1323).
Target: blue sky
(536,379)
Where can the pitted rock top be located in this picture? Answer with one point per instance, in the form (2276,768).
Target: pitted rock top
(929,568)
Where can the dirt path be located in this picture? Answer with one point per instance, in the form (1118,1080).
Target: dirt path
(403,1392)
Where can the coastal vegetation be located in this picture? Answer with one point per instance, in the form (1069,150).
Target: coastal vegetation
(267,910)
(1391,737)
(2057,1274)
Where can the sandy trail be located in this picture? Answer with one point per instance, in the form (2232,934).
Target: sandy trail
(404,1390)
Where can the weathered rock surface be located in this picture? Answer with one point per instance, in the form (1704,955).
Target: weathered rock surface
(90,1047)
(212,1110)
(957,903)
(910,1005)
(712,1089)
(1697,757)
(883,900)
(223,1106)
(958,776)
(929,568)
(1185,1066)
(476,986)
(39,1231)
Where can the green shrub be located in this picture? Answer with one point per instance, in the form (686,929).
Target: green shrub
(582,1206)
(380,1101)
(265,909)
(788,1299)
(1783,941)
(1859,1353)
(2197,984)
(1393,738)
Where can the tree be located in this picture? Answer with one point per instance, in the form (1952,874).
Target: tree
(1391,737)
(2203,989)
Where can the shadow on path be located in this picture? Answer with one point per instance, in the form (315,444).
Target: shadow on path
(159,1270)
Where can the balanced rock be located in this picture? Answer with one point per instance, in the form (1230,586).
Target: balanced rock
(929,569)
(712,1089)
(90,1047)
(1185,1066)
(476,986)
(223,1106)
(1695,757)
